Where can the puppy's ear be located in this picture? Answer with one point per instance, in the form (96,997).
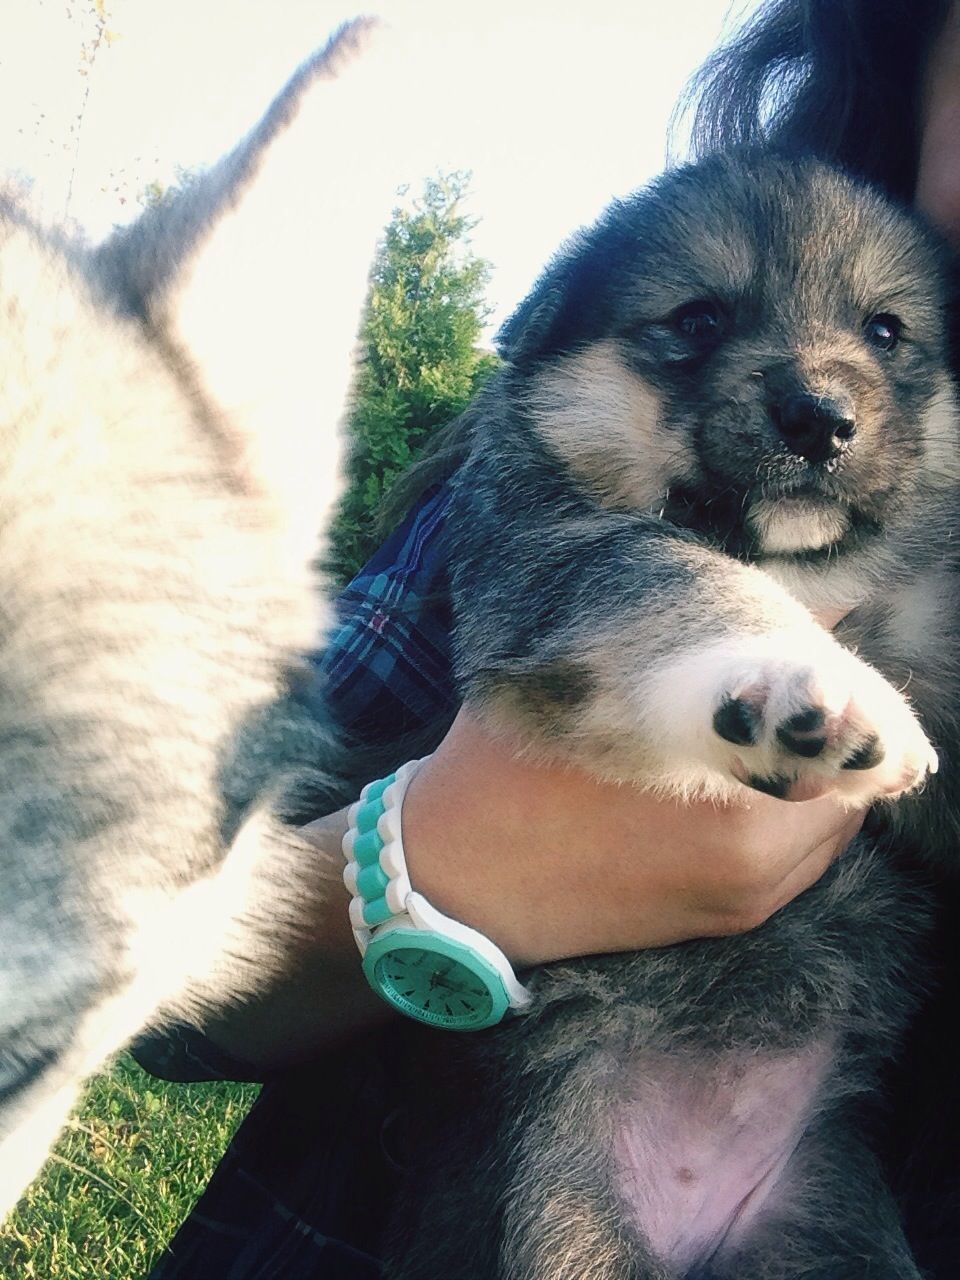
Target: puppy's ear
(254,274)
(551,319)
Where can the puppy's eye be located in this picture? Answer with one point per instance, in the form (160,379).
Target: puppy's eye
(702,320)
(883,330)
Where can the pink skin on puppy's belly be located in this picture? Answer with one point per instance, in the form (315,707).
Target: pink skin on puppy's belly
(699,1157)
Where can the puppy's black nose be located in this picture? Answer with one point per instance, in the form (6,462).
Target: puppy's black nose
(814,427)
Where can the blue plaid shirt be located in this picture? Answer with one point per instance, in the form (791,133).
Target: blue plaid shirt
(299,1191)
(386,667)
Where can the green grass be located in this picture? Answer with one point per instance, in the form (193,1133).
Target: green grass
(127,1171)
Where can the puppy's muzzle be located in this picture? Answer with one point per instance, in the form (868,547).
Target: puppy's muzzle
(816,428)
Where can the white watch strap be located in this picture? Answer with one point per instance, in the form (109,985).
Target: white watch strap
(382,898)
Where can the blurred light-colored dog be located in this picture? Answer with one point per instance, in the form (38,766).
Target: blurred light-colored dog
(169,406)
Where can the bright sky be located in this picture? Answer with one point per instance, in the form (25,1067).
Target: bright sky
(555,105)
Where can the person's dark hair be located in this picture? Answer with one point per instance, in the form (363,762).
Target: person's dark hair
(842,78)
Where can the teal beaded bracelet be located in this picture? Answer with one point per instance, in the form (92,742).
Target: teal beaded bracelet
(425,964)
(376,871)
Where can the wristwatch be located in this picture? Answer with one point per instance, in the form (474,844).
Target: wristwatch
(425,964)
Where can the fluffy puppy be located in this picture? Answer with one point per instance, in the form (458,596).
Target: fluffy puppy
(724,408)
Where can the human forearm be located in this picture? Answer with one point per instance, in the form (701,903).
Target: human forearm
(319,997)
(548,863)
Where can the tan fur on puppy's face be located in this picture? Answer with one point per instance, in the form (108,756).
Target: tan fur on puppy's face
(606,423)
(797,525)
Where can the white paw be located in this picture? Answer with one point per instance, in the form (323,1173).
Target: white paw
(796,717)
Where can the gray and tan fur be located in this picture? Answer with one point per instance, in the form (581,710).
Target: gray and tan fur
(724,406)
(169,406)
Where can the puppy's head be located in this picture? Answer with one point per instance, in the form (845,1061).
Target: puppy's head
(757,345)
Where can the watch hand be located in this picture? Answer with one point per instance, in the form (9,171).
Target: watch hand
(436,980)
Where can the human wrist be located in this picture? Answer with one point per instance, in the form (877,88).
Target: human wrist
(420,960)
(492,841)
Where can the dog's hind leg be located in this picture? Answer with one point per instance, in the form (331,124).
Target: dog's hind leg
(510,1195)
(843,1223)
(572,1232)
(562,1218)
(563,1234)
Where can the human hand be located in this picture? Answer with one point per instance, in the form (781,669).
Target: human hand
(550,863)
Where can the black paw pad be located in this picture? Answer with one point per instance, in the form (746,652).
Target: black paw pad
(736,721)
(867,756)
(776,785)
(805,721)
(801,746)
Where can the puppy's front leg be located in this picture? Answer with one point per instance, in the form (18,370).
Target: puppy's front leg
(790,713)
(640,653)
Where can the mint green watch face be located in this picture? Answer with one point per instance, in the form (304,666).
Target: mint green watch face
(424,976)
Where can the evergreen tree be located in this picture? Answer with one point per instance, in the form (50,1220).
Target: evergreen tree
(419,363)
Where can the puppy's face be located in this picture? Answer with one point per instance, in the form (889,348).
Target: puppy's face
(757,347)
